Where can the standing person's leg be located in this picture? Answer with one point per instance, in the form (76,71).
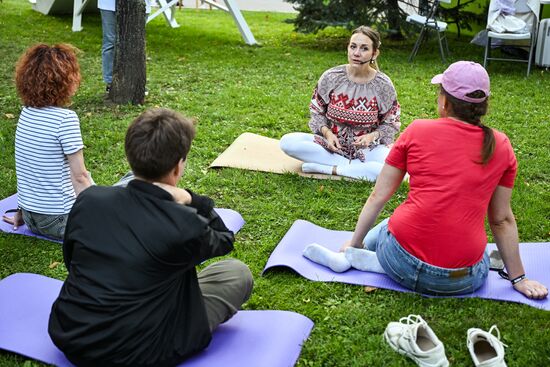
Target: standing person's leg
(225,286)
(108,26)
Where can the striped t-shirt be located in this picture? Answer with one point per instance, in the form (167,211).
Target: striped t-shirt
(44,138)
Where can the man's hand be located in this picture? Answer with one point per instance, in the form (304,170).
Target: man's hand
(181,196)
(16,220)
(531,289)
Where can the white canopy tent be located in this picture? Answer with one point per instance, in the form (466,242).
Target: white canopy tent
(166,8)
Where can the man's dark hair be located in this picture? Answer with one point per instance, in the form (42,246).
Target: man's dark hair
(156,140)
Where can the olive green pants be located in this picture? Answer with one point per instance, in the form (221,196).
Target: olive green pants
(225,286)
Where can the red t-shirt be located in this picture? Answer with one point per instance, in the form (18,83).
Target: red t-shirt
(442,220)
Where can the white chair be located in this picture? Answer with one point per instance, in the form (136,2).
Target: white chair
(526,10)
(429,22)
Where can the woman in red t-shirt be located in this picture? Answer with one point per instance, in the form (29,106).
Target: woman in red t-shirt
(460,171)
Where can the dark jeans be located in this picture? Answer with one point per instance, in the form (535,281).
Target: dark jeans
(46,224)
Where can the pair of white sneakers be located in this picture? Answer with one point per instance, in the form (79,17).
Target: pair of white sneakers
(412,336)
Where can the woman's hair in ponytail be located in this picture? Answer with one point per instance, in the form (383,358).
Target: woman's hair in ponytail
(488,144)
(472,114)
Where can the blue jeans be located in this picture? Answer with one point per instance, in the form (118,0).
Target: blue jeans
(419,276)
(46,224)
(108,26)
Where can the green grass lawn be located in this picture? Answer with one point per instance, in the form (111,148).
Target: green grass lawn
(204,70)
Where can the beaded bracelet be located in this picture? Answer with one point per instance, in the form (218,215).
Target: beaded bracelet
(516,280)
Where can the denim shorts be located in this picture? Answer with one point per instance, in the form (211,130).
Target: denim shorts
(46,224)
(419,276)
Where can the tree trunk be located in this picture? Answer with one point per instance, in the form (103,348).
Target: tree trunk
(394,20)
(129,74)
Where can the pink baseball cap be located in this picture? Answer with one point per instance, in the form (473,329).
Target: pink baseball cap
(464,77)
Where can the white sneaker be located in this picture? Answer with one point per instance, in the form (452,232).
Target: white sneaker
(486,348)
(413,337)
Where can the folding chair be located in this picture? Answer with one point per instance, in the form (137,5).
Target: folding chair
(527,10)
(429,22)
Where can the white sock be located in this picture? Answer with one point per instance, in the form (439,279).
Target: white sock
(317,168)
(364,260)
(321,255)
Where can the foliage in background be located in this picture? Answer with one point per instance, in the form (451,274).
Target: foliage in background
(465,14)
(314,15)
(387,16)
(204,70)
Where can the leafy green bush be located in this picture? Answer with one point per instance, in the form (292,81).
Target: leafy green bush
(386,15)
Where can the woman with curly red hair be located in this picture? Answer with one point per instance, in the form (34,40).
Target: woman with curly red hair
(49,161)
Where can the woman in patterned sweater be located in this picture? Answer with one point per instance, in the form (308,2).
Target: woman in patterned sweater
(354,116)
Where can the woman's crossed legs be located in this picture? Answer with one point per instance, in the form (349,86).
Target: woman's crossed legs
(318,160)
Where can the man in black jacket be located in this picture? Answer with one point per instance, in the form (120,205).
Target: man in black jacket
(132,296)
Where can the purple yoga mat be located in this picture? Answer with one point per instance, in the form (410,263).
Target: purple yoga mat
(11,203)
(288,253)
(250,338)
(232,219)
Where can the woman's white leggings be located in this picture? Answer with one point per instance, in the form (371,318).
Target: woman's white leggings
(319,160)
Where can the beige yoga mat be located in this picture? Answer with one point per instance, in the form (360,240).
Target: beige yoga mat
(259,153)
